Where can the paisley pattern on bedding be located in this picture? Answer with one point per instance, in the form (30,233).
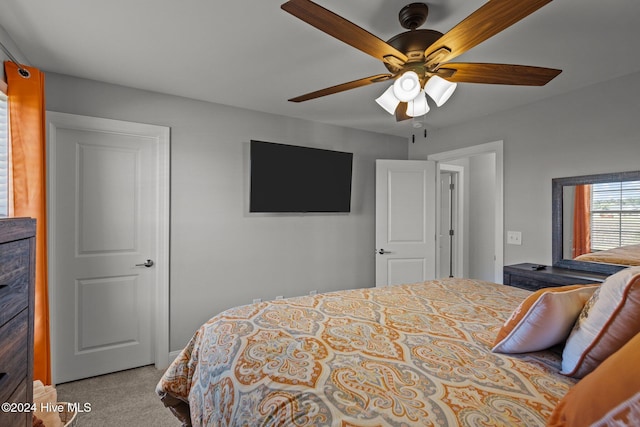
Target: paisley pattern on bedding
(406,355)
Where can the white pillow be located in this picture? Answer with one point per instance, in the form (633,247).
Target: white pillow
(610,318)
(543,319)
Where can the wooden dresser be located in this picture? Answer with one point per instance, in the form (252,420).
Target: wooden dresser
(534,276)
(17,273)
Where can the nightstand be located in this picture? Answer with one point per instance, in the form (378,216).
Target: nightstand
(532,277)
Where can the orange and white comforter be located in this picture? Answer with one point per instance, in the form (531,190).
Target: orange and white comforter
(408,355)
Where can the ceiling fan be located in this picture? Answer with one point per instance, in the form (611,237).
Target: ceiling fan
(427,52)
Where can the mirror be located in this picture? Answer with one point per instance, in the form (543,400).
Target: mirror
(596,222)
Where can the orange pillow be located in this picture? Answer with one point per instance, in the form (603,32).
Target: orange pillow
(543,319)
(610,318)
(608,396)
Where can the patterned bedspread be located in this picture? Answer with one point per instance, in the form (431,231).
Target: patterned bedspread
(407,355)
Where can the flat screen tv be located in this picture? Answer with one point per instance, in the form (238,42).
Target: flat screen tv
(289,178)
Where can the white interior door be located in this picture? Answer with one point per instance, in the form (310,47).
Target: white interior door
(106,249)
(405,221)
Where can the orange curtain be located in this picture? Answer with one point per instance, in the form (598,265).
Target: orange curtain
(582,220)
(28,151)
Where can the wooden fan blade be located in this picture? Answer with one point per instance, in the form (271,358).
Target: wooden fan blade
(500,74)
(346,31)
(401,112)
(489,20)
(342,87)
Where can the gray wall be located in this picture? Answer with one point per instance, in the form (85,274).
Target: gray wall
(221,256)
(593,130)
(11,46)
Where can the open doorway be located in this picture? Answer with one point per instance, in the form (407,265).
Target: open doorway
(481,242)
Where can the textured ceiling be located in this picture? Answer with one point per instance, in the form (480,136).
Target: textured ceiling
(251,54)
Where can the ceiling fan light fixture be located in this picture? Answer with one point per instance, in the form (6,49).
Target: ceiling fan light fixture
(418,106)
(439,89)
(407,86)
(388,100)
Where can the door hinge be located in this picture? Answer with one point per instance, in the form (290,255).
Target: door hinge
(452,186)
(450,232)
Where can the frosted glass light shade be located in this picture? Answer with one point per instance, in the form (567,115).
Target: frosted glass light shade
(407,86)
(418,106)
(439,89)
(388,100)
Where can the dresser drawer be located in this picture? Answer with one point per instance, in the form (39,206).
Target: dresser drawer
(13,354)
(16,418)
(14,278)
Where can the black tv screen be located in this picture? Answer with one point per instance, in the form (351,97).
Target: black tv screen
(288,178)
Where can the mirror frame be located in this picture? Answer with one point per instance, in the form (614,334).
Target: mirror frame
(557,185)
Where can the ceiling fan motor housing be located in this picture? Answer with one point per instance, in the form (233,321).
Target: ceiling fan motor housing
(413,44)
(413,15)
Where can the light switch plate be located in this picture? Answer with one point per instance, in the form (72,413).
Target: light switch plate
(514,237)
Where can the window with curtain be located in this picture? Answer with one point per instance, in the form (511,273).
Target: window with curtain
(615,215)
(4,157)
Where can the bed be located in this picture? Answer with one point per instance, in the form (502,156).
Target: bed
(403,355)
(623,255)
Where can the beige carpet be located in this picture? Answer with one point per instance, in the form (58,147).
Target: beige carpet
(125,398)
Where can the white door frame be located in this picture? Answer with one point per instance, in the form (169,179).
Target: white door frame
(496,148)
(458,237)
(161,136)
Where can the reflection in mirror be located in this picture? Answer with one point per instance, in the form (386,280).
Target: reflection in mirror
(596,221)
(602,220)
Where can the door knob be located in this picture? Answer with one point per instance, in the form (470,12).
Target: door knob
(149,263)
(382,252)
